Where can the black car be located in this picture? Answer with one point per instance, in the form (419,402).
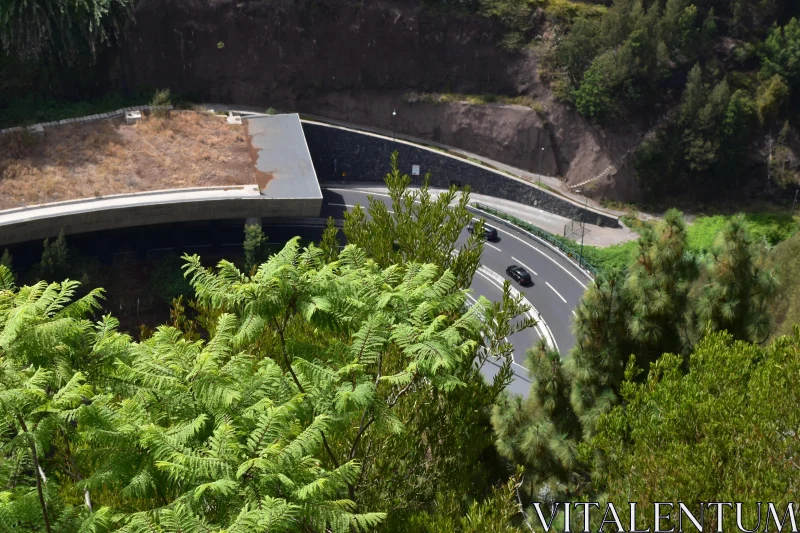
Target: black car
(489,233)
(519,274)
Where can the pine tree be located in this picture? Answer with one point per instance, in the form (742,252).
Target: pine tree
(542,431)
(739,287)
(657,290)
(597,361)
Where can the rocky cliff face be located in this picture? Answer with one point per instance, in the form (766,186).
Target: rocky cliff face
(353,60)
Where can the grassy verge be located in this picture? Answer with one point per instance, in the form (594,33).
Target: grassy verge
(473,99)
(771,228)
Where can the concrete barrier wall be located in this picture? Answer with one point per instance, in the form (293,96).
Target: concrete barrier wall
(127,211)
(341,155)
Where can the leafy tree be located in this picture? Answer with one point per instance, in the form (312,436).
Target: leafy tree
(55,258)
(405,235)
(495,514)
(255,246)
(160,103)
(595,96)
(772,94)
(739,288)
(718,413)
(781,53)
(286,418)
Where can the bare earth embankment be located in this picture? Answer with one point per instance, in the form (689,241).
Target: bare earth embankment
(107,157)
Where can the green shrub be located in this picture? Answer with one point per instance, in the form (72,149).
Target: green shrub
(160,103)
(256,250)
(55,259)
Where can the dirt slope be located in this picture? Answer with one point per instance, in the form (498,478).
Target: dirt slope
(354,61)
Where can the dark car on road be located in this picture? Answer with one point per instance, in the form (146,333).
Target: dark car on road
(489,233)
(519,274)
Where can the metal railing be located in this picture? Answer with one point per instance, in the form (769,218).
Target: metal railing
(553,240)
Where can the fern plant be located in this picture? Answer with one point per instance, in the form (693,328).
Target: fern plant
(263,426)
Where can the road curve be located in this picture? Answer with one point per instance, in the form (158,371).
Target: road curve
(558,284)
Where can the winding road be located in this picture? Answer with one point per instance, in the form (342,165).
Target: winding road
(558,284)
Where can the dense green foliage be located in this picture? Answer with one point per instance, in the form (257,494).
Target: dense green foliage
(731,69)
(55,262)
(405,235)
(272,423)
(724,430)
(44,29)
(665,302)
(767,228)
(319,391)
(256,250)
(785,308)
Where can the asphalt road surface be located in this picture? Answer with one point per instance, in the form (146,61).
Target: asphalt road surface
(558,284)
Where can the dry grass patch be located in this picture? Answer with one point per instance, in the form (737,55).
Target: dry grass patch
(187,149)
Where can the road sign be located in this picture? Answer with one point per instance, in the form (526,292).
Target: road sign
(415,170)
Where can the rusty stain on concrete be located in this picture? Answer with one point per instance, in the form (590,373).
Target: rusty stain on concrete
(262,178)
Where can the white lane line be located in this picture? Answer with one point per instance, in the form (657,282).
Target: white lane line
(555,291)
(492,246)
(362,192)
(544,254)
(498,364)
(341,205)
(526,267)
(544,330)
(574,314)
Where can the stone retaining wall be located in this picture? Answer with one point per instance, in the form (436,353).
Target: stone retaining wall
(341,155)
(39,128)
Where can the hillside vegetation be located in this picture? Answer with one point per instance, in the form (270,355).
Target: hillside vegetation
(785,259)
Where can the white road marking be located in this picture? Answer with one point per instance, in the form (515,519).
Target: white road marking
(574,313)
(544,254)
(526,267)
(341,205)
(555,291)
(492,246)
